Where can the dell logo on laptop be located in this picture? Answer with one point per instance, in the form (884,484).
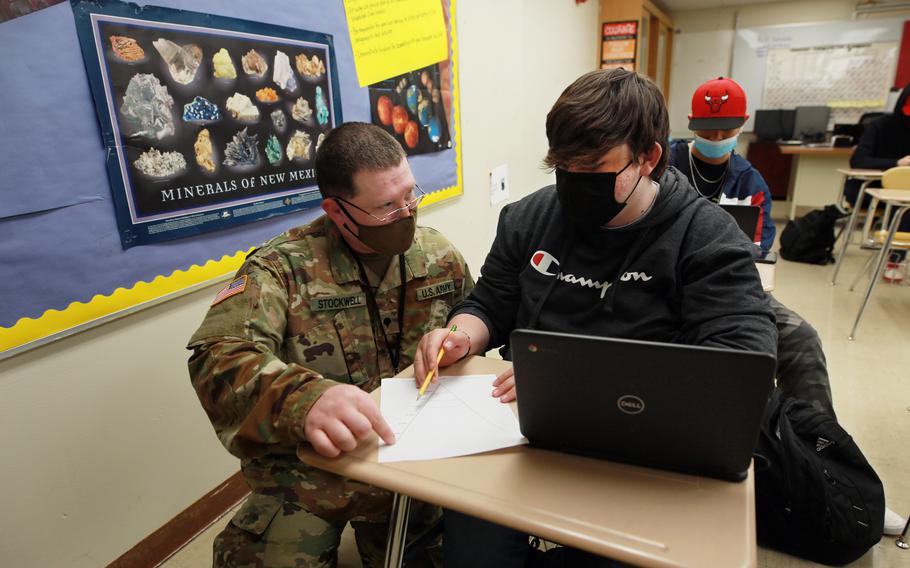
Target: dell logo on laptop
(630,404)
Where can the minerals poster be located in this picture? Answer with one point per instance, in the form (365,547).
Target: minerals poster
(208,122)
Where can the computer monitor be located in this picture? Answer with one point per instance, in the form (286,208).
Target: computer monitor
(811,123)
(774,124)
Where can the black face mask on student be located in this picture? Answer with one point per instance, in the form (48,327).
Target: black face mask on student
(589,199)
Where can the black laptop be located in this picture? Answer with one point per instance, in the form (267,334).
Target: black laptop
(746,216)
(690,409)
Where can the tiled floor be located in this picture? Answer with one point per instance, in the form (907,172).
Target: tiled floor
(870,379)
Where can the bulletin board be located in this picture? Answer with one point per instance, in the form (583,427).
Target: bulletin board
(65,266)
(752,48)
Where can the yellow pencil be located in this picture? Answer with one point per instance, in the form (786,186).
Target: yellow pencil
(442,352)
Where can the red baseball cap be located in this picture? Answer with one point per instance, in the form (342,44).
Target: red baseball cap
(719,104)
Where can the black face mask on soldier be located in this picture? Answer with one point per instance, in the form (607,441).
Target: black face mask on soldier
(589,198)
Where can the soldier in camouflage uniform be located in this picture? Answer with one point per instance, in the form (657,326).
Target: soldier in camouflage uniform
(311,323)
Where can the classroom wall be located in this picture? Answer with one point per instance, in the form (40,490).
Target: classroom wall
(103,438)
(703,44)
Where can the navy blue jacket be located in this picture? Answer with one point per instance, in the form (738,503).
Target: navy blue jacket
(743,186)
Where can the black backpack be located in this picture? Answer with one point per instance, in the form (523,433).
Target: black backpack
(811,237)
(816,496)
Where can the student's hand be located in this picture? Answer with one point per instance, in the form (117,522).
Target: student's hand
(342,417)
(457,346)
(504,386)
(905,161)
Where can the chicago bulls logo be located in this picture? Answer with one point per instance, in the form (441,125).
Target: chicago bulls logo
(716,100)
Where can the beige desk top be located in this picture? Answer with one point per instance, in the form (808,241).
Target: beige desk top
(861,174)
(814,150)
(638,515)
(894,196)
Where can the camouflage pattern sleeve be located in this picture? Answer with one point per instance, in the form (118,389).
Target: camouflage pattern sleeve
(252,397)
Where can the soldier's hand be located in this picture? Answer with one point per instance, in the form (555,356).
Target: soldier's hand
(342,417)
(504,386)
(457,346)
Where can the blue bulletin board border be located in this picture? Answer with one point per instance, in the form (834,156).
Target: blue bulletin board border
(59,239)
(139,230)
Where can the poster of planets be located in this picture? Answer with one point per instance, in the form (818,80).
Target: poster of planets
(411,108)
(209,127)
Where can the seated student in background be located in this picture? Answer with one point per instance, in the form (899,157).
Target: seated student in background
(287,353)
(717,172)
(885,144)
(710,162)
(621,246)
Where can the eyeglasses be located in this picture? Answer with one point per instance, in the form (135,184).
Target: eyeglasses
(394,214)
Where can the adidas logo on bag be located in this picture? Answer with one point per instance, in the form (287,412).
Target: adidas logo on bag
(822,443)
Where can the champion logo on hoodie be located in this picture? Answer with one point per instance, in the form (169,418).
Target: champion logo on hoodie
(546,264)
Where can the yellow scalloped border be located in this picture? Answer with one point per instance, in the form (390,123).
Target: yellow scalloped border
(51,322)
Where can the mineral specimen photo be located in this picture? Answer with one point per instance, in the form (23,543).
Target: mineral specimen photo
(127,49)
(160,164)
(242,151)
(147,107)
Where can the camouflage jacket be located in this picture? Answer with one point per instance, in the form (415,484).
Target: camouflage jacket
(299,325)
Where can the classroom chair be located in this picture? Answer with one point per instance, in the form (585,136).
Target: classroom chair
(894,178)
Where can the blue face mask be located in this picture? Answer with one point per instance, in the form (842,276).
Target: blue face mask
(711,149)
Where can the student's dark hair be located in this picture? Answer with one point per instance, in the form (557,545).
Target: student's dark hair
(351,148)
(602,110)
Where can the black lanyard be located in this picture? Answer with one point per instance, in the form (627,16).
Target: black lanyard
(375,316)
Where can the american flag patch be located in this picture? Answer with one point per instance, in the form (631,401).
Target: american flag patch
(232,289)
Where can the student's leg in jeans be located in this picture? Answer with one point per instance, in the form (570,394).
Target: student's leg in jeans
(471,542)
(801,368)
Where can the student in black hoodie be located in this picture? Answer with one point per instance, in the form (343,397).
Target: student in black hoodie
(621,246)
(885,144)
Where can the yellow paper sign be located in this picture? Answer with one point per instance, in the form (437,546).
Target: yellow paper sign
(391,37)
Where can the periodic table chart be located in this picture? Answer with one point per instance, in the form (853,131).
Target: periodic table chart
(850,79)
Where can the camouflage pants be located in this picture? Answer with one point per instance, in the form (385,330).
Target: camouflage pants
(801,368)
(269,533)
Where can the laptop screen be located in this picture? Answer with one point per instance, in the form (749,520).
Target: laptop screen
(746,217)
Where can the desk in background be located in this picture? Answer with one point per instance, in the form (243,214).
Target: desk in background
(814,178)
(638,515)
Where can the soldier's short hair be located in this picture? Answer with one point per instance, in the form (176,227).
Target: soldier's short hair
(351,148)
(602,110)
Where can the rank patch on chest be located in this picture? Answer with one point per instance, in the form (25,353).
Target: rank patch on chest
(434,290)
(232,289)
(337,302)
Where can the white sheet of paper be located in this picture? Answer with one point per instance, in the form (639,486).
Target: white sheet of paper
(457,416)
